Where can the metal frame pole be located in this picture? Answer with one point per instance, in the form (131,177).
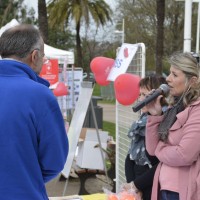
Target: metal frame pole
(187,26)
(99,140)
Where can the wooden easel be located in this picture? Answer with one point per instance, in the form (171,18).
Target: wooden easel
(74,131)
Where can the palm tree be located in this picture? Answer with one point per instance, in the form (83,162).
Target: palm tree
(61,11)
(160,10)
(10,9)
(43,20)
(5,9)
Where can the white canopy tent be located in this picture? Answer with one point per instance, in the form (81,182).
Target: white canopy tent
(61,55)
(10,24)
(50,52)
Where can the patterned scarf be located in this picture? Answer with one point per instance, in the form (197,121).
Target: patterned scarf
(170,118)
(137,136)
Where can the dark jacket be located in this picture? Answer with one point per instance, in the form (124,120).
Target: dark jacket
(139,165)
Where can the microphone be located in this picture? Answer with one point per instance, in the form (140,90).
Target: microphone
(162,90)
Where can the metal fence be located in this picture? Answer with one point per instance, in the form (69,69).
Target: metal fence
(107,92)
(125,117)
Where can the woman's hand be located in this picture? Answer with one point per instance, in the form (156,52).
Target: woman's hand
(131,187)
(154,107)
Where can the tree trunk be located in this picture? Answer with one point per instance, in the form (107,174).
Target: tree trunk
(78,46)
(160,11)
(42,19)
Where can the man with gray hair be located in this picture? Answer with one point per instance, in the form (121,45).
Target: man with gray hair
(33,140)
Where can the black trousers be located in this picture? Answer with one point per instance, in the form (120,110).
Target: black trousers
(133,171)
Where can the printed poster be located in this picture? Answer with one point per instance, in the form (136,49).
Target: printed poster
(50,71)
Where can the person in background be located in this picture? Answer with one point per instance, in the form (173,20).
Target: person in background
(139,165)
(33,140)
(173,137)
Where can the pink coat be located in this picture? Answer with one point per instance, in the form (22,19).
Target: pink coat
(182,150)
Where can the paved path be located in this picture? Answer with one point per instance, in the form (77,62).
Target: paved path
(93,185)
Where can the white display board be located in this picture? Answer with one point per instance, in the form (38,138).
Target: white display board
(74,79)
(88,156)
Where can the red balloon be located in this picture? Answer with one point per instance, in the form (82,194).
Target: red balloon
(126,88)
(101,66)
(60,90)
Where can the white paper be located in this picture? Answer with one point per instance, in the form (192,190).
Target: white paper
(123,60)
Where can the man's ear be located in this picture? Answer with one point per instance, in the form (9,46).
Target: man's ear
(34,56)
(32,59)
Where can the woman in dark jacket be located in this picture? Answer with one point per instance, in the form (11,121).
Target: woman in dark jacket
(139,165)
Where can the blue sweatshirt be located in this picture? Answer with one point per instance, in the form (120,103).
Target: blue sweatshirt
(33,140)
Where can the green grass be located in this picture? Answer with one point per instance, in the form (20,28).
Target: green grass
(110,127)
(97,92)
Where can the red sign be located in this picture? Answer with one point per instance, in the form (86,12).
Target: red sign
(50,71)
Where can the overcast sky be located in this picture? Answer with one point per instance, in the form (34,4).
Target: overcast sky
(33,3)
(105,33)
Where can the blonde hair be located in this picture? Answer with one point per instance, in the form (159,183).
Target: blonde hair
(190,67)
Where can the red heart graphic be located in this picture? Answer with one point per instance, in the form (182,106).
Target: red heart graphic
(126,52)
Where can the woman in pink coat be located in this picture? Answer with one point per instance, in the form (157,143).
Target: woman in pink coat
(174,136)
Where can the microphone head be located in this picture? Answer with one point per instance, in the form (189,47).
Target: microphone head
(165,89)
